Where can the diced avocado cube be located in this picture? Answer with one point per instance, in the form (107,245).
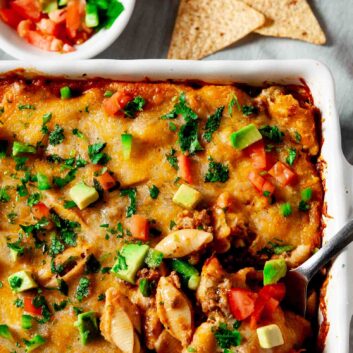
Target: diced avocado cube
(270,336)
(154,258)
(91,19)
(22,281)
(130,260)
(186,197)
(26,321)
(35,342)
(245,137)
(65,92)
(126,142)
(274,270)
(87,326)
(19,148)
(43,182)
(5,332)
(83,195)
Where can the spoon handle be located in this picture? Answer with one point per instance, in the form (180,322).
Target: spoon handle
(332,248)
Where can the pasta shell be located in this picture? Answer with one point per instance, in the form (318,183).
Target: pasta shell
(174,310)
(183,242)
(203,340)
(166,343)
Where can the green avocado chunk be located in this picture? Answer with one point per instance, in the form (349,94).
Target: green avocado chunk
(5,332)
(20,148)
(245,137)
(87,326)
(83,195)
(130,260)
(274,270)
(22,281)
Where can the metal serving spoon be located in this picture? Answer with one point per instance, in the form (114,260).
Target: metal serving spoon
(297,280)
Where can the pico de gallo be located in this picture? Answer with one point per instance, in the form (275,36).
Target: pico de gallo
(59,25)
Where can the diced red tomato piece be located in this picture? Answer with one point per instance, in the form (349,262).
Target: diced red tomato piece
(184,163)
(283,174)
(106,181)
(73,17)
(276,291)
(260,183)
(58,16)
(10,17)
(270,307)
(30,308)
(257,153)
(27,9)
(116,102)
(39,40)
(24,27)
(241,302)
(47,26)
(40,210)
(139,227)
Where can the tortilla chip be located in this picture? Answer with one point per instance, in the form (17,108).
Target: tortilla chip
(289,18)
(206,26)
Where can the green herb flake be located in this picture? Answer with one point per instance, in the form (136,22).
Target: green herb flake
(217,172)
(298,137)
(188,137)
(60,306)
(172,159)
(4,196)
(20,163)
(248,110)
(33,199)
(78,133)
(234,101)
(26,107)
(134,106)
(213,123)
(56,137)
(96,155)
(172,126)
(145,287)
(131,194)
(181,108)
(272,133)
(69,204)
(292,155)
(154,192)
(227,338)
(82,290)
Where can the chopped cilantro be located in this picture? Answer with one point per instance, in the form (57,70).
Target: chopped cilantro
(131,194)
(56,136)
(217,172)
(181,108)
(298,137)
(56,247)
(77,310)
(33,199)
(4,196)
(96,155)
(172,159)
(18,303)
(20,162)
(276,247)
(134,106)
(154,192)
(78,133)
(292,155)
(145,287)
(66,228)
(69,204)
(40,302)
(63,287)
(172,126)
(60,306)
(11,217)
(188,137)
(82,290)
(15,282)
(106,270)
(61,182)
(213,123)
(227,338)
(16,247)
(248,110)
(172,224)
(26,106)
(234,101)
(272,133)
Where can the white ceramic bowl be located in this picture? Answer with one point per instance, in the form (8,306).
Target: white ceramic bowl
(17,47)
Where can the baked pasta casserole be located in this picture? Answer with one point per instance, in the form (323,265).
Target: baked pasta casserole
(155,217)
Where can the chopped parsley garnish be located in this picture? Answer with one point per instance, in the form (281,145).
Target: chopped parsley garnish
(33,199)
(227,338)
(276,247)
(66,228)
(78,133)
(106,270)
(145,287)
(34,228)
(63,288)
(82,290)
(272,133)
(96,155)
(60,306)
(181,108)
(20,162)
(69,204)
(172,159)
(56,136)
(15,282)
(4,196)
(298,137)
(248,110)
(46,119)
(26,106)
(188,137)
(56,247)
(16,247)
(131,194)
(172,126)
(292,155)
(77,310)
(11,217)
(154,192)
(234,101)
(134,106)
(18,303)
(61,182)
(3,147)
(40,302)
(217,172)
(213,123)
(92,265)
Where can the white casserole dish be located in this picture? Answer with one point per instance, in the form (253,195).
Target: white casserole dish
(337,172)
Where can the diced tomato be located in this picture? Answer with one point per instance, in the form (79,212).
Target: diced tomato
(10,17)
(30,308)
(184,163)
(73,17)
(47,26)
(39,40)
(106,181)
(283,174)
(270,307)
(257,153)
(260,183)
(139,227)
(27,9)
(116,102)
(24,27)
(241,302)
(40,210)
(58,16)
(276,291)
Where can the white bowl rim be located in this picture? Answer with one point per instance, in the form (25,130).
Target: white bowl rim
(20,49)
